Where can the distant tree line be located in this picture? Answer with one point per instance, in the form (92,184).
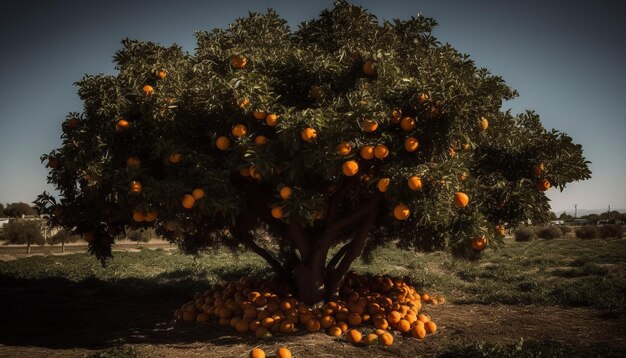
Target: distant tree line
(16,210)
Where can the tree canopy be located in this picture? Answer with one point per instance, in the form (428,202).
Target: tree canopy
(17,210)
(349,131)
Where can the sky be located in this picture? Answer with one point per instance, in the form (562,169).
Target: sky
(564,57)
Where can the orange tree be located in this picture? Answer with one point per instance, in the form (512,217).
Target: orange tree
(336,138)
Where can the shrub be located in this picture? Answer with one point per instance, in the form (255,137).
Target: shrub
(587,232)
(24,232)
(565,229)
(525,234)
(616,231)
(550,233)
(140,235)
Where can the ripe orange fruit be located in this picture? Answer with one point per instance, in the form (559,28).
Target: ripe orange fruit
(188,201)
(254,172)
(258,114)
(277,212)
(174,158)
(484,123)
(370,338)
(308,134)
(418,330)
(238,61)
(451,151)
(430,327)
(239,130)
(271,119)
(383,184)
(222,143)
(161,74)
(369,68)
(386,339)
(354,319)
(367,152)
(404,326)
(396,115)
(138,216)
(415,183)
(539,169)
(350,168)
(89,236)
(407,124)
(257,353)
(285,193)
(461,200)
(244,102)
(313,326)
(381,151)
(72,123)
(260,140)
(423,97)
(316,93)
(500,229)
(135,187)
(133,162)
(148,90)
(354,336)
(327,321)
(411,144)
(121,125)
(197,193)
(369,125)
(150,216)
(334,331)
(344,148)
(401,212)
(283,352)
(479,243)
(543,185)
(53,163)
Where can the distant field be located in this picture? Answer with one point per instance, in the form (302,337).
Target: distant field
(563,296)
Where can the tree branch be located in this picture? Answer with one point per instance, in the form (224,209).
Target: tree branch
(248,240)
(340,225)
(338,255)
(300,239)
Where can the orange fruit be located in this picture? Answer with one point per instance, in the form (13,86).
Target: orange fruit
(415,183)
(197,193)
(308,134)
(383,184)
(260,140)
(423,97)
(407,124)
(138,216)
(381,151)
(386,339)
(430,327)
(244,172)
(161,74)
(354,336)
(461,200)
(370,339)
(396,115)
(277,212)
(244,102)
(283,352)
(334,331)
(344,148)
(369,125)
(285,193)
(350,168)
(72,123)
(354,319)
(222,143)
(188,201)
(261,332)
(543,185)
(479,243)
(401,212)
(148,90)
(174,158)
(316,93)
(271,119)
(150,216)
(257,353)
(238,61)
(394,317)
(258,114)
(484,123)
(121,125)
(367,152)
(418,330)
(254,173)
(327,321)
(369,68)
(411,144)
(239,130)
(135,187)
(500,229)
(313,326)
(53,163)
(404,326)
(133,162)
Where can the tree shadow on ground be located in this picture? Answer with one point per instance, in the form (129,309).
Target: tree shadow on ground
(60,313)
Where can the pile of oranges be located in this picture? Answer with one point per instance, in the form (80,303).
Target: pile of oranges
(367,310)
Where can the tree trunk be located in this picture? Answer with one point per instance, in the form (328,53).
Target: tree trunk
(309,278)
(27,249)
(63,246)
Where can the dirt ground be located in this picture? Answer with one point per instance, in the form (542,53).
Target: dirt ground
(153,336)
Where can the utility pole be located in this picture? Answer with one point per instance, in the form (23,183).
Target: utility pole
(575,211)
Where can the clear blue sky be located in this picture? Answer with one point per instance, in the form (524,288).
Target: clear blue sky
(564,57)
